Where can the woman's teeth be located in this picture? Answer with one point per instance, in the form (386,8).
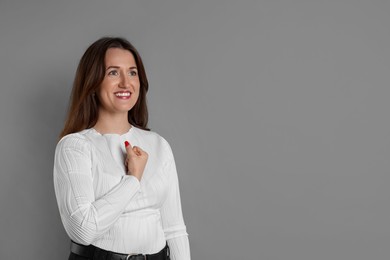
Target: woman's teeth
(126,94)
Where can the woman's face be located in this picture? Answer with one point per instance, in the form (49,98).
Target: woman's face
(119,90)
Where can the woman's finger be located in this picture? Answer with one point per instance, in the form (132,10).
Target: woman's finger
(138,150)
(129,149)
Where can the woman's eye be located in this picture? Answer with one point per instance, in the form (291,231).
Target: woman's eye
(113,72)
(133,73)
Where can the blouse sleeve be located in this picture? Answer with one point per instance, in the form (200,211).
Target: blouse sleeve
(172,217)
(84,216)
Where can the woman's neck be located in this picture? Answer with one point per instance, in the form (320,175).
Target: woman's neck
(112,124)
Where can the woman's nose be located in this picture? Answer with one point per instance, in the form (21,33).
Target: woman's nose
(124,82)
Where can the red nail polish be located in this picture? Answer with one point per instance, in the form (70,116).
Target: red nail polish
(126,143)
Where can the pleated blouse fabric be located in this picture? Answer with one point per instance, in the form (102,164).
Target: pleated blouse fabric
(99,204)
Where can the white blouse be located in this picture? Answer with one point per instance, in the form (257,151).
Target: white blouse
(99,204)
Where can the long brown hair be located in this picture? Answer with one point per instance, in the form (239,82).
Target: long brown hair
(84,106)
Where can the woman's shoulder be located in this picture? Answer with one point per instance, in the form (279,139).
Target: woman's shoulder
(150,135)
(155,138)
(76,140)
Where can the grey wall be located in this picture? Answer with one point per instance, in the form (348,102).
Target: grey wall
(277,112)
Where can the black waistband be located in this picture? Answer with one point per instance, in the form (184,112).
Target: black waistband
(94,252)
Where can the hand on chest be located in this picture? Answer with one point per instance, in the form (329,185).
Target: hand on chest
(109,168)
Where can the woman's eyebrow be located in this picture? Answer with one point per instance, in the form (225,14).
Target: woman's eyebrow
(117,67)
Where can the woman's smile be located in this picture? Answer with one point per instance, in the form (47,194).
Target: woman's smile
(123,94)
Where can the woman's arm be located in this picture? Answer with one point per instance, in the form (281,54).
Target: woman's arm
(172,217)
(84,216)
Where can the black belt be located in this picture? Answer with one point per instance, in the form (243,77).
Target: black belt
(94,252)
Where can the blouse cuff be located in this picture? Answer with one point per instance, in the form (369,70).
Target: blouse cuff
(179,248)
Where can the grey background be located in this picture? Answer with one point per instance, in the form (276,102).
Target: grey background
(277,113)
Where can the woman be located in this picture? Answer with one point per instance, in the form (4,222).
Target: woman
(115,180)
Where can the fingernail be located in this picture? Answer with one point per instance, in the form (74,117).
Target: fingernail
(126,143)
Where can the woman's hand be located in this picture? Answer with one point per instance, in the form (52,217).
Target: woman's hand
(135,160)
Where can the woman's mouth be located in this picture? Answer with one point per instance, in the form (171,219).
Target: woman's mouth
(123,94)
